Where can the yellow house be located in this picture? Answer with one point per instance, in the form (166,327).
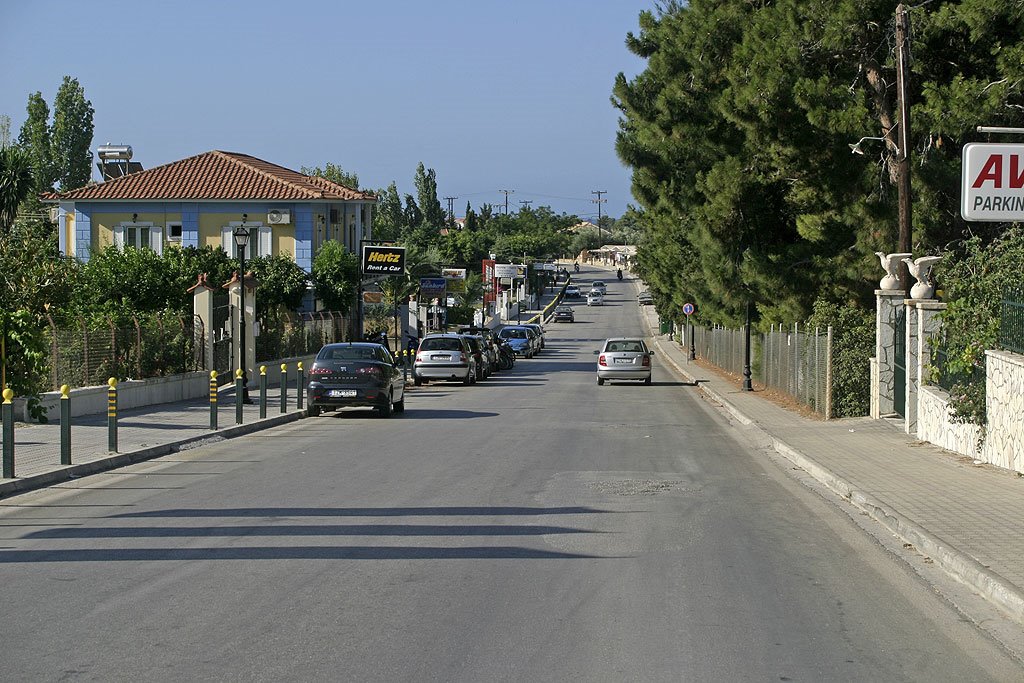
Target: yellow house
(200,200)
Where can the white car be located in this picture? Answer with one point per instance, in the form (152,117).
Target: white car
(595,298)
(600,286)
(624,358)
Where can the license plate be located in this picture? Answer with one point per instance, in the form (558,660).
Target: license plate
(439,357)
(342,393)
(623,361)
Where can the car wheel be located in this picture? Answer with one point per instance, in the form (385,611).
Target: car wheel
(388,408)
(312,410)
(647,381)
(400,404)
(417,381)
(470,377)
(600,381)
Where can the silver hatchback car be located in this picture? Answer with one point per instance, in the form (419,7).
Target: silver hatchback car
(624,358)
(444,356)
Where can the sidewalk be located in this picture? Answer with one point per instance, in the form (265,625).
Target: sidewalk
(966,518)
(142,433)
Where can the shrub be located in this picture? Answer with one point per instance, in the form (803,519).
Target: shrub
(853,344)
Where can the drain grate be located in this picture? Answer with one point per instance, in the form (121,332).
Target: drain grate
(638,487)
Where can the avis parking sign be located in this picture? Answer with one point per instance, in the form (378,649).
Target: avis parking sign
(992,183)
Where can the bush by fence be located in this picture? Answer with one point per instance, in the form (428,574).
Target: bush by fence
(299,334)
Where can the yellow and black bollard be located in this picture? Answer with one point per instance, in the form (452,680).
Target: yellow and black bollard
(239,395)
(7,411)
(112,415)
(65,425)
(213,400)
(263,391)
(300,388)
(284,388)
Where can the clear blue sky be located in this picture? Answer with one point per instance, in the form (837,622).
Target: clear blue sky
(492,95)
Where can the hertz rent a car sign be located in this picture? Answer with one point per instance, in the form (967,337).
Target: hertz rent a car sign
(993,182)
(383,260)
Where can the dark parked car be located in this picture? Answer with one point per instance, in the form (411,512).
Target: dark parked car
(355,375)
(482,354)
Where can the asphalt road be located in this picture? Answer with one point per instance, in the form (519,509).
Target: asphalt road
(534,527)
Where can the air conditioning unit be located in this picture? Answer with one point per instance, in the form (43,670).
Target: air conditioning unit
(279,217)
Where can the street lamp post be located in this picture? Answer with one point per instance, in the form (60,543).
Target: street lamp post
(747,384)
(241,235)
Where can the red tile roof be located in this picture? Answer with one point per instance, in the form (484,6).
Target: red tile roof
(216,175)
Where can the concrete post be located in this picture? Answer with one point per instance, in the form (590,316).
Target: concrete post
(202,306)
(235,297)
(922,324)
(887,302)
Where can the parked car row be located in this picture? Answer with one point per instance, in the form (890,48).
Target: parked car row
(526,340)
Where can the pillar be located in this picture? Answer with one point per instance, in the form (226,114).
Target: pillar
(202,306)
(887,302)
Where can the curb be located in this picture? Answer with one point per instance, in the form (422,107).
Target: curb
(954,562)
(38,481)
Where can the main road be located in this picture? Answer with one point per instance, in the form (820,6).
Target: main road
(534,527)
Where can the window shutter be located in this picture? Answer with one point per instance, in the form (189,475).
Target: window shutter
(227,241)
(264,240)
(156,239)
(119,236)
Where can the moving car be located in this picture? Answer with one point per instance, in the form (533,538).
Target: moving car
(600,286)
(564,314)
(444,356)
(644,299)
(355,375)
(624,358)
(595,298)
(520,338)
(572,292)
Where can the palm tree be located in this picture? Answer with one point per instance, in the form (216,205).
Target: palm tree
(15,184)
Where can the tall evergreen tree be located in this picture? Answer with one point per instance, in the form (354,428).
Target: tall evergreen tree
(72,135)
(34,138)
(425,181)
(389,218)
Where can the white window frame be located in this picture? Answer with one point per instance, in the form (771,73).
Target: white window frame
(260,246)
(155,241)
(181,230)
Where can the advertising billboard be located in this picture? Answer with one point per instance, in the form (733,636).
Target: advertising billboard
(380,260)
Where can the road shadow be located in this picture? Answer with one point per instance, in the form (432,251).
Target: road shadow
(66,555)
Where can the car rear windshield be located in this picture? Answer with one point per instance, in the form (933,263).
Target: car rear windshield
(510,333)
(350,353)
(441,344)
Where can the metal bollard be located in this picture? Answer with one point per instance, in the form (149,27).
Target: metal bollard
(7,411)
(284,388)
(300,388)
(405,364)
(65,425)
(239,395)
(213,400)
(112,415)
(263,391)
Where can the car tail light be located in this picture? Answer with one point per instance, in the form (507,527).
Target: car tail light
(314,371)
(371,370)
(647,361)
(462,358)
(601,360)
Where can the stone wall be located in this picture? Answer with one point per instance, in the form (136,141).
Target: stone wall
(935,425)
(1004,388)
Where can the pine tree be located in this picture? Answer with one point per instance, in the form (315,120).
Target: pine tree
(34,138)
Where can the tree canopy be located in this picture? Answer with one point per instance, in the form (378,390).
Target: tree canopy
(738,132)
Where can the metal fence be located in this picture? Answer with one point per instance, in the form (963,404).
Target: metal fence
(1011,323)
(791,360)
(88,352)
(299,334)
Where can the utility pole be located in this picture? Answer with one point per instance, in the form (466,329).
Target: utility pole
(526,203)
(451,207)
(599,202)
(507,193)
(903,166)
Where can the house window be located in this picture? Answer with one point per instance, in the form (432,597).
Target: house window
(259,239)
(174,232)
(138,235)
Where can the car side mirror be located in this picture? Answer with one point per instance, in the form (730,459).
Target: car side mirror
(650,352)
(596,353)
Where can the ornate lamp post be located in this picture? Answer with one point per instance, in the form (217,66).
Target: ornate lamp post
(241,235)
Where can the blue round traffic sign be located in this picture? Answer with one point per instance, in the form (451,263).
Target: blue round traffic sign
(688,309)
